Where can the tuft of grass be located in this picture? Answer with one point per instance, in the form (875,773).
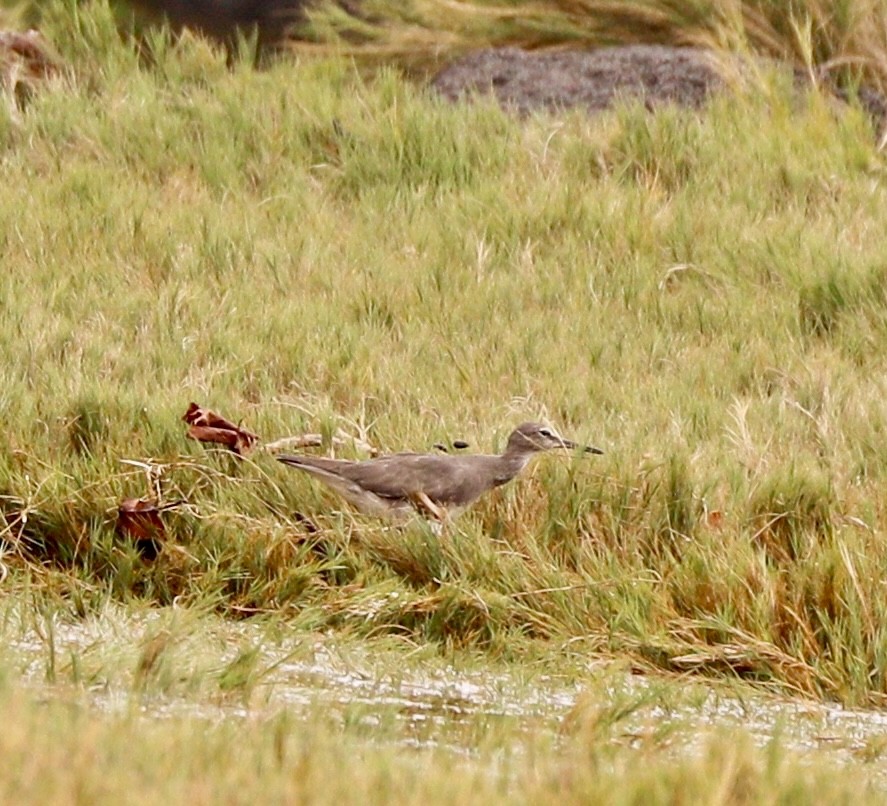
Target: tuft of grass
(795,510)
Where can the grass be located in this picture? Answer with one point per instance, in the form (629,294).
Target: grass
(307,249)
(149,706)
(150,761)
(844,41)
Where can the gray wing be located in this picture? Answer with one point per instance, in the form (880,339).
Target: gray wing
(447,480)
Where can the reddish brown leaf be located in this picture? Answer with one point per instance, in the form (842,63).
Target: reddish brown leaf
(207,426)
(30,50)
(139,519)
(715,519)
(197,415)
(205,433)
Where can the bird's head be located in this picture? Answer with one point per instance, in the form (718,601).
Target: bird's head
(537,437)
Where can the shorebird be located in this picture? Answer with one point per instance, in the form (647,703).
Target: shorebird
(436,485)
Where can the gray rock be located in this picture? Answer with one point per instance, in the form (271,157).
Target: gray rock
(657,74)
(527,80)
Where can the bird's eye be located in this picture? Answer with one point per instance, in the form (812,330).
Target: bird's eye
(544,432)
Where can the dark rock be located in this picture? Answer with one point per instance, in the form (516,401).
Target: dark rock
(224,20)
(594,80)
(528,80)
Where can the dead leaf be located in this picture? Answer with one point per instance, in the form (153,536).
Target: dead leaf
(207,426)
(25,63)
(32,49)
(139,520)
(715,519)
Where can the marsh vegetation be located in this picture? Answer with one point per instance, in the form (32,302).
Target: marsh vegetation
(306,248)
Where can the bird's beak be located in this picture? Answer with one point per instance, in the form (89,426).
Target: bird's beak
(575,446)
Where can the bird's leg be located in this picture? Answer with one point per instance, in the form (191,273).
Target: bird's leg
(424,504)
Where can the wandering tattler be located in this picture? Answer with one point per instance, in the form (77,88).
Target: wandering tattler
(437,485)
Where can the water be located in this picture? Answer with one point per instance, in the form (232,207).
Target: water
(393,696)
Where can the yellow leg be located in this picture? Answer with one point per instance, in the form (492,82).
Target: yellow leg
(424,504)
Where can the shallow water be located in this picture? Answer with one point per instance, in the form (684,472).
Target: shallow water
(391,697)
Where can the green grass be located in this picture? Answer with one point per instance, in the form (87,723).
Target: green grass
(843,41)
(307,249)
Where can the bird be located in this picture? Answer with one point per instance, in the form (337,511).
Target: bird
(439,486)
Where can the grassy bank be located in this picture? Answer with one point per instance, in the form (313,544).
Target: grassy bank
(308,250)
